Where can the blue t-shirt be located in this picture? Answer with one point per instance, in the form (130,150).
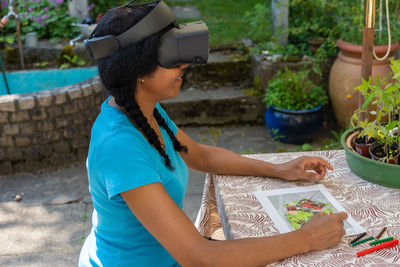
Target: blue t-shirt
(120,159)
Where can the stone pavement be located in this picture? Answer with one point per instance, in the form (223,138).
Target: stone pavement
(47,227)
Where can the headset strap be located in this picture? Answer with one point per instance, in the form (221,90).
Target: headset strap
(157,19)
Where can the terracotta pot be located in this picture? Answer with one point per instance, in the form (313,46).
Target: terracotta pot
(315,43)
(376,146)
(345,75)
(362,149)
(349,141)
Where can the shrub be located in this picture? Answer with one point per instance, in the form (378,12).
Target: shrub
(294,91)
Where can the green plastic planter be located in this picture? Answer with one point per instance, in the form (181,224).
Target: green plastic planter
(370,170)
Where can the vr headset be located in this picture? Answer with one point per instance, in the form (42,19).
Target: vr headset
(183,44)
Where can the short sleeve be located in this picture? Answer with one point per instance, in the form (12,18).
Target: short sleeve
(169,122)
(125,163)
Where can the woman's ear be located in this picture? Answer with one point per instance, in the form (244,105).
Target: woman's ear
(139,82)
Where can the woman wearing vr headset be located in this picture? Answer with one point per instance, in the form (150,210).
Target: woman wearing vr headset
(137,167)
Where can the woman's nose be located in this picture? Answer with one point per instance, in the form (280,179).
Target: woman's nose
(184,66)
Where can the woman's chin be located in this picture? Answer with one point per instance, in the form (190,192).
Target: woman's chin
(176,93)
(173,93)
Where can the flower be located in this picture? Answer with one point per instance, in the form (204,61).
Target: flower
(381,135)
(348,96)
(4,4)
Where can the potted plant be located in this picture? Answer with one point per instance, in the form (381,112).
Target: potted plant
(381,110)
(364,130)
(386,148)
(382,100)
(294,107)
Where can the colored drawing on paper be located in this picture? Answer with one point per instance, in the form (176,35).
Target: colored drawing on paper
(299,212)
(290,208)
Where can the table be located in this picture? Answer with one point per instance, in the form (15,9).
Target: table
(229,204)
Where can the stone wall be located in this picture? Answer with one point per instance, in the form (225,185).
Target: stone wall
(48,129)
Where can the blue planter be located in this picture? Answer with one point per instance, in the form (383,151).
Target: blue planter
(294,126)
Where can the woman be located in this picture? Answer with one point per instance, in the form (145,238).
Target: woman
(137,168)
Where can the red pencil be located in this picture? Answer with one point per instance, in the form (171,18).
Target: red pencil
(388,244)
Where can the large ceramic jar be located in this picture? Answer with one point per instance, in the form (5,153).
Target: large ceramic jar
(294,126)
(345,75)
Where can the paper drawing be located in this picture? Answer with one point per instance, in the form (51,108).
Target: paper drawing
(290,208)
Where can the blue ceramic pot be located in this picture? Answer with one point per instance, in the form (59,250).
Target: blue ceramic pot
(294,126)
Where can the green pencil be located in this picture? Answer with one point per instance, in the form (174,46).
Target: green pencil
(362,241)
(381,240)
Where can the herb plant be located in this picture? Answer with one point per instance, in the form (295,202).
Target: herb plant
(382,100)
(294,91)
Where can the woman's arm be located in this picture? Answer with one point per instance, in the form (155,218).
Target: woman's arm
(159,214)
(221,161)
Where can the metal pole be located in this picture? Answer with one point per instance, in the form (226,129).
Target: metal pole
(367,46)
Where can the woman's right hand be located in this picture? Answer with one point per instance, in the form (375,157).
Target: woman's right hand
(324,231)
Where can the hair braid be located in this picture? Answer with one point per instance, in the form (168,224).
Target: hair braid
(177,145)
(134,112)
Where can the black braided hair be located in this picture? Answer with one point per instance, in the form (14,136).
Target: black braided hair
(120,71)
(177,145)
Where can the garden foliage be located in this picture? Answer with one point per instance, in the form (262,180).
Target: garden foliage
(321,20)
(48,18)
(294,91)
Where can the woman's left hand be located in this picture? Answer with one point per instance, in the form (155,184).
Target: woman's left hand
(300,168)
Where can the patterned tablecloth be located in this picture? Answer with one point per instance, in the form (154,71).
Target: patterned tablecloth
(229,203)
